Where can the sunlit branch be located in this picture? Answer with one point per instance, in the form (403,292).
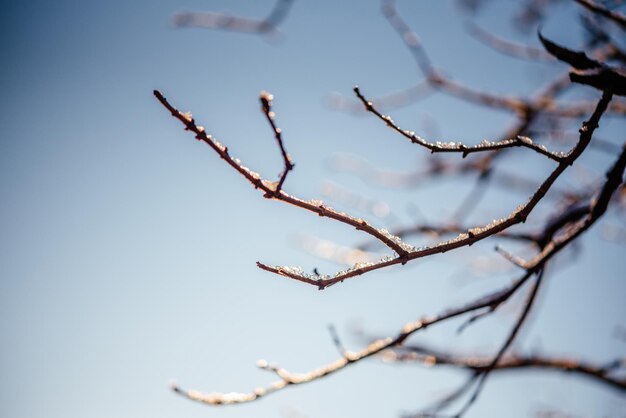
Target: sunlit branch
(478,364)
(474,234)
(459,147)
(287,378)
(540,110)
(543,103)
(490,302)
(438,231)
(266,106)
(271,189)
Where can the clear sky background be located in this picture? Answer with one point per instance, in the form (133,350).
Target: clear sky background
(128,249)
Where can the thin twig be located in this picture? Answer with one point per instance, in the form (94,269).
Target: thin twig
(266,105)
(520,141)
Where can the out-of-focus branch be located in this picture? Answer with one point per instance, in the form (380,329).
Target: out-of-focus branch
(429,357)
(389,101)
(506,47)
(435,169)
(505,346)
(219,21)
(587,70)
(474,234)
(594,212)
(616,17)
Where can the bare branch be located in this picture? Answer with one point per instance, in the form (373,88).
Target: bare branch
(593,73)
(474,234)
(209,20)
(491,301)
(545,110)
(507,47)
(616,17)
(519,141)
(290,379)
(393,100)
(271,190)
(514,331)
(266,105)
(430,357)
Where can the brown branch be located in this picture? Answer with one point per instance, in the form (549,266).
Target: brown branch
(272,191)
(452,229)
(598,208)
(614,179)
(266,105)
(511,337)
(429,357)
(519,141)
(475,234)
(287,378)
(544,103)
(491,301)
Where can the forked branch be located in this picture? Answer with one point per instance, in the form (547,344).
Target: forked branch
(273,190)
(405,251)
(489,302)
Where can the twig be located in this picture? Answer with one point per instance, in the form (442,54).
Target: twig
(616,17)
(520,141)
(506,47)
(208,20)
(429,357)
(290,379)
(266,105)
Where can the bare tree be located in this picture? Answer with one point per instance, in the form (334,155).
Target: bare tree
(543,116)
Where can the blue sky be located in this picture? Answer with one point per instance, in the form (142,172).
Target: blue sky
(128,250)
